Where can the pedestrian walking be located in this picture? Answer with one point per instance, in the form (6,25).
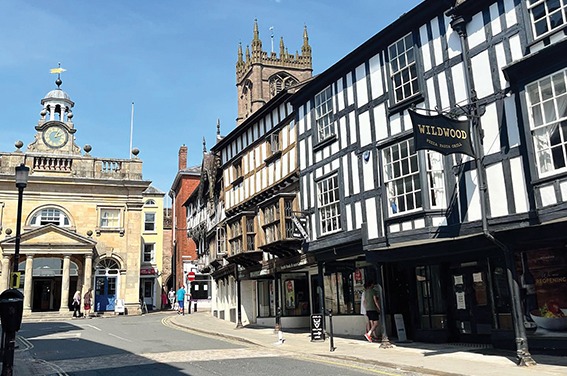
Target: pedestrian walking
(87,301)
(171,296)
(180,300)
(363,308)
(372,309)
(77,304)
(163,299)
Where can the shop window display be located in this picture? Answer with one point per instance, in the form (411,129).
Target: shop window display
(343,290)
(295,294)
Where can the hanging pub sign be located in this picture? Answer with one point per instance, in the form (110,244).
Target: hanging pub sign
(441,133)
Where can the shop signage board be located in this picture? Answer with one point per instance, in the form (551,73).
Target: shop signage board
(400,327)
(441,133)
(317,332)
(300,228)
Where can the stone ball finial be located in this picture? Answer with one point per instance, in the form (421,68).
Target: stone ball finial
(87,148)
(19,144)
(70,115)
(89,233)
(8,231)
(58,82)
(135,151)
(43,112)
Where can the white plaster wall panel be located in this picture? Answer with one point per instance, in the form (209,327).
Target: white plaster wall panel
(407,120)
(352,127)
(419,223)
(475,31)
(313,234)
(349,89)
(554,38)
(394,228)
(246,192)
(512,121)
(292,132)
(431,98)
(304,188)
(245,164)
(501,63)
(284,136)
(264,149)
(348,216)
(340,95)
(258,182)
(438,221)
(308,116)
(264,178)
(380,122)
(368,172)
(563,188)
(364,126)
(358,214)
(510,10)
(286,164)
(459,83)
(251,159)
(495,23)
(496,190)
(343,132)
(355,182)
(376,77)
(326,168)
(453,39)
(310,151)
(425,48)
(395,124)
(278,167)
(491,127)
(482,74)
(516,47)
(292,160)
(371,218)
(326,152)
(258,156)
(334,148)
(226,178)
(233,147)
(312,193)
(548,195)
(443,90)
(437,49)
(335,164)
(346,176)
(407,226)
(519,187)
(252,184)
(318,156)
(319,172)
(473,201)
(361,87)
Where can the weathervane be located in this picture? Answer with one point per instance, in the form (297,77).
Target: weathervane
(58,70)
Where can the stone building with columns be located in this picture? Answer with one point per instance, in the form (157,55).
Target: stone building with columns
(81,218)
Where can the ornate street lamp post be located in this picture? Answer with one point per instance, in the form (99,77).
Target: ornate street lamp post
(22,173)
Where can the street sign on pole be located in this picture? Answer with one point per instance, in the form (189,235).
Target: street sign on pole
(191,276)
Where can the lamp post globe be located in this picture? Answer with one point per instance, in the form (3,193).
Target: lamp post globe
(22,172)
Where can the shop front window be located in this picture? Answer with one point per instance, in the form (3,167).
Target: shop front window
(295,294)
(344,288)
(266,298)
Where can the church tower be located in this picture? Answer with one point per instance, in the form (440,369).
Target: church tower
(261,75)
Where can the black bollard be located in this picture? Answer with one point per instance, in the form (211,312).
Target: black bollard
(333,348)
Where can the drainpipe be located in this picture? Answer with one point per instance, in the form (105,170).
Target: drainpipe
(523,356)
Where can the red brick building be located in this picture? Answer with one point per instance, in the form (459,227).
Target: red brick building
(183,248)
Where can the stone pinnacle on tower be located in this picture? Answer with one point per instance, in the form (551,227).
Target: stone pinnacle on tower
(306,48)
(282,48)
(204,145)
(256,42)
(240,53)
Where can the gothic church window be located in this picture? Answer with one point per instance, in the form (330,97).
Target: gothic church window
(280,81)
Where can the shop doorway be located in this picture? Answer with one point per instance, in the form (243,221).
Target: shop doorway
(105,293)
(46,294)
(469,303)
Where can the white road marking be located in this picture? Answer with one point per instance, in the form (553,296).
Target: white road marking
(94,327)
(114,335)
(67,335)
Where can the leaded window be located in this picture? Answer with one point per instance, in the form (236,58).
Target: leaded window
(324,114)
(402,177)
(403,68)
(329,204)
(547,101)
(547,15)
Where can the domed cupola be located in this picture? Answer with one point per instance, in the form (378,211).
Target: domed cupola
(57,106)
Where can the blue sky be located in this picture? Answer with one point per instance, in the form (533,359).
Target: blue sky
(175,59)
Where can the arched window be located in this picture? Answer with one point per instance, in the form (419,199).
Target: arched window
(280,81)
(48,216)
(107,266)
(150,203)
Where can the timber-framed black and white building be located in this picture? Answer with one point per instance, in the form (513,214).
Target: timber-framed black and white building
(443,230)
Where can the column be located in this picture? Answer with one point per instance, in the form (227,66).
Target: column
(28,283)
(5,279)
(65,284)
(88,273)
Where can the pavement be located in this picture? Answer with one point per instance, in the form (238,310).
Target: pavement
(434,359)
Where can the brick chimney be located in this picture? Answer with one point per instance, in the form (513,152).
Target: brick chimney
(182,157)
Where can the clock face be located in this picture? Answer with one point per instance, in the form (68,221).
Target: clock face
(55,136)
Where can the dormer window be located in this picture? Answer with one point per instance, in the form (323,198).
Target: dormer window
(50,216)
(150,203)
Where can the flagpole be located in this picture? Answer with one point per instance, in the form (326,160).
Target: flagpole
(131,131)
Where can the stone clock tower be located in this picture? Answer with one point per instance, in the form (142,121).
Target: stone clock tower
(55,129)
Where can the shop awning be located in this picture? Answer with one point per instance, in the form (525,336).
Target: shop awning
(225,271)
(283,248)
